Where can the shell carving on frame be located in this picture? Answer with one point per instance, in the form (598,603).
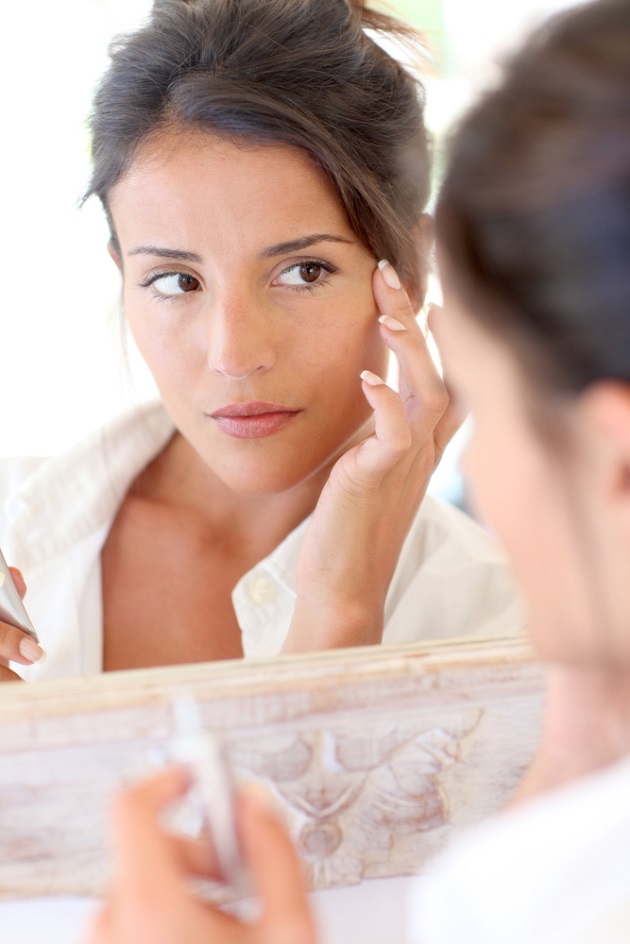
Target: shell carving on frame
(357,803)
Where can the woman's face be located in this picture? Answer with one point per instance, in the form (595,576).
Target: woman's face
(541,503)
(250,298)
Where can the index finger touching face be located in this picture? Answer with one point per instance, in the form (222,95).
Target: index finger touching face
(391,298)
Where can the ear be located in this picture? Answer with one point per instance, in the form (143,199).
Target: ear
(605,408)
(422,233)
(114,252)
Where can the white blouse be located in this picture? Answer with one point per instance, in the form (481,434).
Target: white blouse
(451,579)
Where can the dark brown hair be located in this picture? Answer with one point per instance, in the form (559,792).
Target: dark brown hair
(533,220)
(299,72)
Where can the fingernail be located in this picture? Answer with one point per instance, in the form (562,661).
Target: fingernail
(260,794)
(372,379)
(261,797)
(392,323)
(30,650)
(389,273)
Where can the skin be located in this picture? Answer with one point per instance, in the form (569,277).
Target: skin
(559,502)
(14,644)
(516,478)
(254,328)
(561,508)
(154,903)
(244,284)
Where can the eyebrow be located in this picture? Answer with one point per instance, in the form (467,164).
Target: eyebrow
(302,242)
(292,245)
(165,253)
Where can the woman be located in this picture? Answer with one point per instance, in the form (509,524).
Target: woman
(533,228)
(255,161)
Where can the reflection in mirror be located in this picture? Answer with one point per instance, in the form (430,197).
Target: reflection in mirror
(272,498)
(102,600)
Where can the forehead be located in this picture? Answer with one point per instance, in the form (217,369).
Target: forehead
(234,185)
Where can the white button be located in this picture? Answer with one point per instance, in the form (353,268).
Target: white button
(262,590)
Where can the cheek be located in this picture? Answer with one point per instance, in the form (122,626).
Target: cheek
(342,335)
(170,348)
(514,493)
(171,377)
(151,343)
(363,335)
(506,486)
(479,465)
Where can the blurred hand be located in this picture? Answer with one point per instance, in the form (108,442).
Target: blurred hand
(151,900)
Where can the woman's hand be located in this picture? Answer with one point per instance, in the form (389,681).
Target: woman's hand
(151,899)
(15,645)
(367,506)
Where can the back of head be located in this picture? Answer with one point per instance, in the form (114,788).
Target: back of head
(533,220)
(298,72)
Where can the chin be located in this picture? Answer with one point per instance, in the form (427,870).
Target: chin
(260,481)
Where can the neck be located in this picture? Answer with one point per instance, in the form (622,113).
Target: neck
(586,726)
(255,523)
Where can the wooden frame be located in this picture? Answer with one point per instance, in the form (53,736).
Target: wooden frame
(375,754)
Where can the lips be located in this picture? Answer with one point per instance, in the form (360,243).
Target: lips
(253,420)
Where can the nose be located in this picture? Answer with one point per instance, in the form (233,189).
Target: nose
(240,336)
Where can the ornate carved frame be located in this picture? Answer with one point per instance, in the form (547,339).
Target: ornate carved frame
(375,754)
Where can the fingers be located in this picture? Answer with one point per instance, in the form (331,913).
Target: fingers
(151,898)
(421,387)
(16,646)
(137,841)
(97,929)
(286,917)
(392,436)
(136,813)
(18,580)
(422,392)
(6,675)
(412,414)
(390,296)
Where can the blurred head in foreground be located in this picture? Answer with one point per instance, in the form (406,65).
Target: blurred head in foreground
(533,231)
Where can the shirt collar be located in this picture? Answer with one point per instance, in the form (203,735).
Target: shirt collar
(69,496)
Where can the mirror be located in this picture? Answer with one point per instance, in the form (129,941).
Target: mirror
(374,755)
(78,298)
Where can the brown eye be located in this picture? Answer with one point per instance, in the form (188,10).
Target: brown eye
(301,275)
(187,283)
(174,283)
(310,271)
